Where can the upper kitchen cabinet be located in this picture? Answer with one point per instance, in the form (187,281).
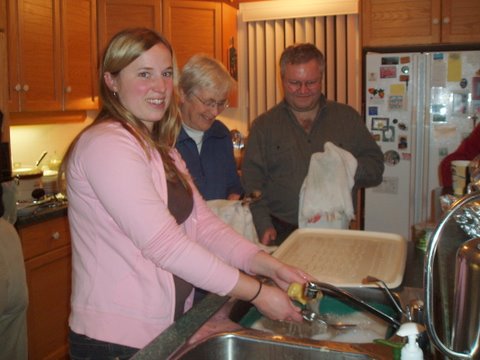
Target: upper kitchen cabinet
(193,27)
(420,22)
(208,27)
(116,15)
(79,49)
(3,15)
(52,55)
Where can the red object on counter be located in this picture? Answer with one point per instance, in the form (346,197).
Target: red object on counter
(467,150)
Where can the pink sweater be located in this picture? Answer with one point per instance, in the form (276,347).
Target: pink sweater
(126,245)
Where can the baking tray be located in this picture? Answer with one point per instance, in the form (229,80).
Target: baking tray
(344,257)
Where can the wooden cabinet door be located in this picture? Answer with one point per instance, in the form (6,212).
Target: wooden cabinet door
(49,287)
(193,27)
(5,133)
(79,45)
(406,22)
(47,252)
(34,55)
(400,22)
(116,15)
(461,21)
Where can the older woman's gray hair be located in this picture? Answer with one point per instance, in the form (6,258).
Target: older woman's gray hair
(204,72)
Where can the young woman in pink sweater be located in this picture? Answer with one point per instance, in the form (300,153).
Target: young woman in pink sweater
(142,237)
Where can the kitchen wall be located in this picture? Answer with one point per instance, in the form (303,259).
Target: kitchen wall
(29,141)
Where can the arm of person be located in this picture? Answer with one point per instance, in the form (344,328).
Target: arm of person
(270,300)
(254,177)
(369,156)
(234,196)
(269,236)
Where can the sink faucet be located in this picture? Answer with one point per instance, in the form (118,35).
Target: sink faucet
(466,305)
(312,289)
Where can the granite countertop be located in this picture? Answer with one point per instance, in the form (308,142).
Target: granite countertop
(41,214)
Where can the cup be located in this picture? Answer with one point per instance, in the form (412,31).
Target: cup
(459,176)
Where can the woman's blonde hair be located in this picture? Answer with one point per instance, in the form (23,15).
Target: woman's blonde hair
(125,47)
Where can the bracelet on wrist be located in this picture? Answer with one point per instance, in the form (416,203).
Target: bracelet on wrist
(258,292)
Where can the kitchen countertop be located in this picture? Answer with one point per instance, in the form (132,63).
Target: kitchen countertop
(42,214)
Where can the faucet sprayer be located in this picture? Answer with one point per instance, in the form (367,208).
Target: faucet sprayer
(371,279)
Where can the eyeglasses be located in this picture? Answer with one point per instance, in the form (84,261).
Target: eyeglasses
(221,105)
(297,85)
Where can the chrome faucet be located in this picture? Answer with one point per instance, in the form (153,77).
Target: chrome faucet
(312,289)
(466,336)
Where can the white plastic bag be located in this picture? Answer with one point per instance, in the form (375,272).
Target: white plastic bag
(325,196)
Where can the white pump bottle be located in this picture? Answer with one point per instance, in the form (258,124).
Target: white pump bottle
(411,350)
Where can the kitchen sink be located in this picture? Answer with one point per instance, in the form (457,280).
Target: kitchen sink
(368,326)
(258,345)
(244,341)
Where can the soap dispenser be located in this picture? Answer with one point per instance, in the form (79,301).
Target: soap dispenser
(411,350)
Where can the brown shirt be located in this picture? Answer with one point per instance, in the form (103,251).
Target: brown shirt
(180,204)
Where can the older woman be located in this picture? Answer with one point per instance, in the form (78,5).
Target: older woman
(205,142)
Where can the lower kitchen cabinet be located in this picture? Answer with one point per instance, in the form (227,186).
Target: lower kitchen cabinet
(47,252)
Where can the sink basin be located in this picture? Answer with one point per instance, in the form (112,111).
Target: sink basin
(237,341)
(369,327)
(249,344)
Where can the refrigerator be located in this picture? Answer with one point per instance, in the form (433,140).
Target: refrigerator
(418,106)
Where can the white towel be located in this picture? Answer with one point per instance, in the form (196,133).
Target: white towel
(325,196)
(239,217)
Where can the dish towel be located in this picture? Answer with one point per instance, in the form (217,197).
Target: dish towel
(325,196)
(239,217)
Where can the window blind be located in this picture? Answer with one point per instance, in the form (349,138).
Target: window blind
(262,41)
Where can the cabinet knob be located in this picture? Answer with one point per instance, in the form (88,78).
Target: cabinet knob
(26,87)
(435,21)
(68,89)
(55,235)
(18,87)
(446,20)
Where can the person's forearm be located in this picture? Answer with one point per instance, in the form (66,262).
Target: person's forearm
(261,216)
(369,171)
(247,288)
(264,264)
